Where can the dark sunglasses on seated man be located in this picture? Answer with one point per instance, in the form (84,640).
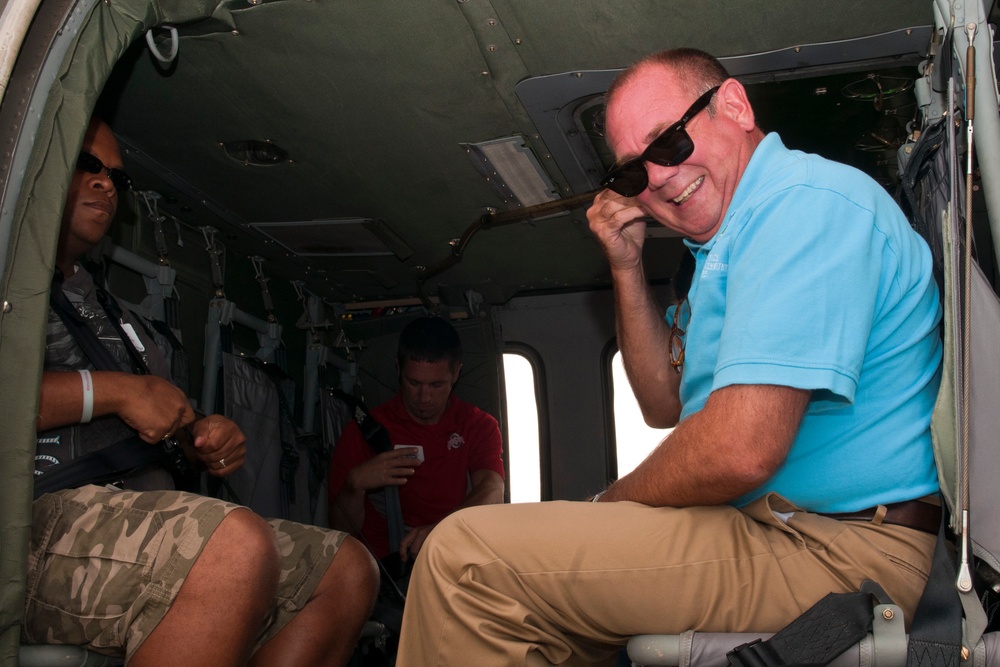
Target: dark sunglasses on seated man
(673,146)
(92,165)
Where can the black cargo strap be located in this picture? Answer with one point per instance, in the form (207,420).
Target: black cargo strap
(100,357)
(109,464)
(827,629)
(839,621)
(936,630)
(116,461)
(377,436)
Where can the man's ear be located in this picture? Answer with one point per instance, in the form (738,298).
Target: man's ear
(455,372)
(732,101)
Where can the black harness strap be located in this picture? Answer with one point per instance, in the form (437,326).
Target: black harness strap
(121,458)
(378,437)
(87,340)
(936,631)
(106,465)
(827,629)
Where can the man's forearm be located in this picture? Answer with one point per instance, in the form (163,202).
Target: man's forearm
(487,489)
(644,341)
(347,511)
(61,398)
(730,447)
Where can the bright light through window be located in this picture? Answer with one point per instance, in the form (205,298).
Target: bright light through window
(634,439)
(522,429)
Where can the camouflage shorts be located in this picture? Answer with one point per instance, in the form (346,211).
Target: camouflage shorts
(105,565)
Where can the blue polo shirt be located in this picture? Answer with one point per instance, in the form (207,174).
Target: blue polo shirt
(815,280)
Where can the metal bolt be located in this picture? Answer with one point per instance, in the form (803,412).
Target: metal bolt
(491,22)
(454,242)
(7,306)
(966,653)
(517,41)
(887,614)
(235,33)
(491,48)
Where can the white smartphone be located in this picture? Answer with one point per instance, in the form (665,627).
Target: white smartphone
(420,450)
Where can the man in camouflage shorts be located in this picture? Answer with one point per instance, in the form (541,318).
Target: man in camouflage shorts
(165,577)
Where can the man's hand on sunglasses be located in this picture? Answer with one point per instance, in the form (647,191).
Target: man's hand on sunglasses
(620,227)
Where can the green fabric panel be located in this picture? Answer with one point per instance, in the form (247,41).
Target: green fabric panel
(607,35)
(944,423)
(102,38)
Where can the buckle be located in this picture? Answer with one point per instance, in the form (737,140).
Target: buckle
(754,653)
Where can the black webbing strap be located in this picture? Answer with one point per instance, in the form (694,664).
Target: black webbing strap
(376,435)
(827,629)
(115,461)
(115,314)
(372,431)
(936,630)
(100,357)
(105,465)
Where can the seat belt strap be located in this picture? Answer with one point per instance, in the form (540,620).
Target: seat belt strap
(377,436)
(827,629)
(105,465)
(936,630)
(116,460)
(87,340)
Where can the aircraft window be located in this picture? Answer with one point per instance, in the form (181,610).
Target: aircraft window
(522,428)
(633,439)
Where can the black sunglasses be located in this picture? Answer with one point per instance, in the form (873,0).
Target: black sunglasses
(90,164)
(673,146)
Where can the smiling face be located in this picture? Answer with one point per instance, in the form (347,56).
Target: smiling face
(692,197)
(92,199)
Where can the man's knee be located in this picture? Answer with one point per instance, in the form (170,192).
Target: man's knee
(354,571)
(245,543)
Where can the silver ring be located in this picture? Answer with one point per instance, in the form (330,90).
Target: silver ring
(222,463)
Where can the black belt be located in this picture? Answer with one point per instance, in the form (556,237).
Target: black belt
(915,514)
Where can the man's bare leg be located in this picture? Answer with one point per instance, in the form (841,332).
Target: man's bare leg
(223,601)
(325,631)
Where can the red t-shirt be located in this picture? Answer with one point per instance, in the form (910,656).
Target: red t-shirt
(464,440)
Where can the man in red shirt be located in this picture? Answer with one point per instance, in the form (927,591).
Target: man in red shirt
(447,453)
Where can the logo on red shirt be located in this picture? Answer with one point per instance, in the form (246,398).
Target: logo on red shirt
(455,441)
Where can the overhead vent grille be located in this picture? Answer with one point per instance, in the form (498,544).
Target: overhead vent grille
(513,171)
(342,237)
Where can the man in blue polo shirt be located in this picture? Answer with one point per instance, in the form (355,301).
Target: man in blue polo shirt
(800,370)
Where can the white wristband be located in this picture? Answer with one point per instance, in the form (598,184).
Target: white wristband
(88,397)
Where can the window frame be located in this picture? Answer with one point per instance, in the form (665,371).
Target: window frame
(541,407)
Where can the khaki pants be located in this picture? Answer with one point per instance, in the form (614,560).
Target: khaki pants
(568,583)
